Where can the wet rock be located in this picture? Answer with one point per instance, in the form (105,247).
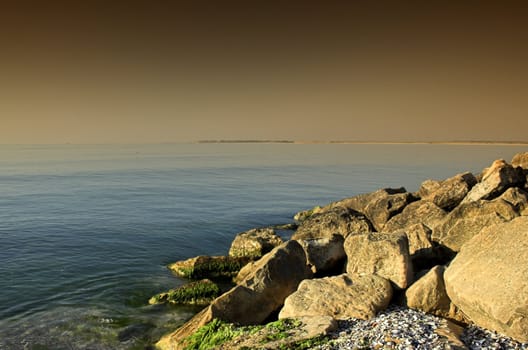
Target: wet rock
(212,267)
(195,293)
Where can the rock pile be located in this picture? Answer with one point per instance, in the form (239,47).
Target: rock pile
(457,249)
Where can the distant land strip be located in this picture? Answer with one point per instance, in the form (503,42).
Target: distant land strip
(308,142)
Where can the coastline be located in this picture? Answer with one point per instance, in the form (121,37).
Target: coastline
(373,142)
(383,257)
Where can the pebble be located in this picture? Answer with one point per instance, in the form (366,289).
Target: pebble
(401,328)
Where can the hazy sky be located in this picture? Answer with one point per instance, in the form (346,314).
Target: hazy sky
(351,70)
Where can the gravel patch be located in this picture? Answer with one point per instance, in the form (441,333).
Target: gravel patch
(403,328)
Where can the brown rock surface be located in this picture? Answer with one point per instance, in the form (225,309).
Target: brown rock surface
(428,294)
(420,212)
(521,160)
(488,279)
(254,243)
(449,193)
(275,276)
(465,221)
(517,197)
(385,255)
(378,206)
(419,237)
(325,254)
(340,297)
(337,220)
(495,180)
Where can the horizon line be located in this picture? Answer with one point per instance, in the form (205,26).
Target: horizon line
(285,141)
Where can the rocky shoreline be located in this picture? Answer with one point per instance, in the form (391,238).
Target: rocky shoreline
(434,269)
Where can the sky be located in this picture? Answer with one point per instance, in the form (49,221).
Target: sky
(168,71)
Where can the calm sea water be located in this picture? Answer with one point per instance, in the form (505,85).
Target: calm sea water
(87,230)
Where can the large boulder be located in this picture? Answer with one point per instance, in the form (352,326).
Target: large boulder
(488,279)
(340,297)
(325,254)
(338,220)
(420,212)
(449,193)
(385,255)
(428,294)
(254,243)
(204,266)
(466,220)
(275,276)
(495,180)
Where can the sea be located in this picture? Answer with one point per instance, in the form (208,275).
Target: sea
(86,231)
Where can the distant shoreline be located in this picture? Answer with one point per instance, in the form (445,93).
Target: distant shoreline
(314,142)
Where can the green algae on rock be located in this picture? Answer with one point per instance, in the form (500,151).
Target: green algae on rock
(213,267)
(195,293)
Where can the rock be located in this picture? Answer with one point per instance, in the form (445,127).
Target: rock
(386,255)
(200,292)
(383,206)
(337,220)
(452,332)
(466,220)
(428,294)
(420,212)
(325,254)
(340,297)
(520,160)
(359,202)
(209,267)
(378,206)
(283,334)
(305,214)
(275,276)
(495,180)
(449,193)
(488,279)
(518,198)
(419,237)
(254,243)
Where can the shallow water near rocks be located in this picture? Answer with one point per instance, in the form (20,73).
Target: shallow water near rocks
(86,230)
